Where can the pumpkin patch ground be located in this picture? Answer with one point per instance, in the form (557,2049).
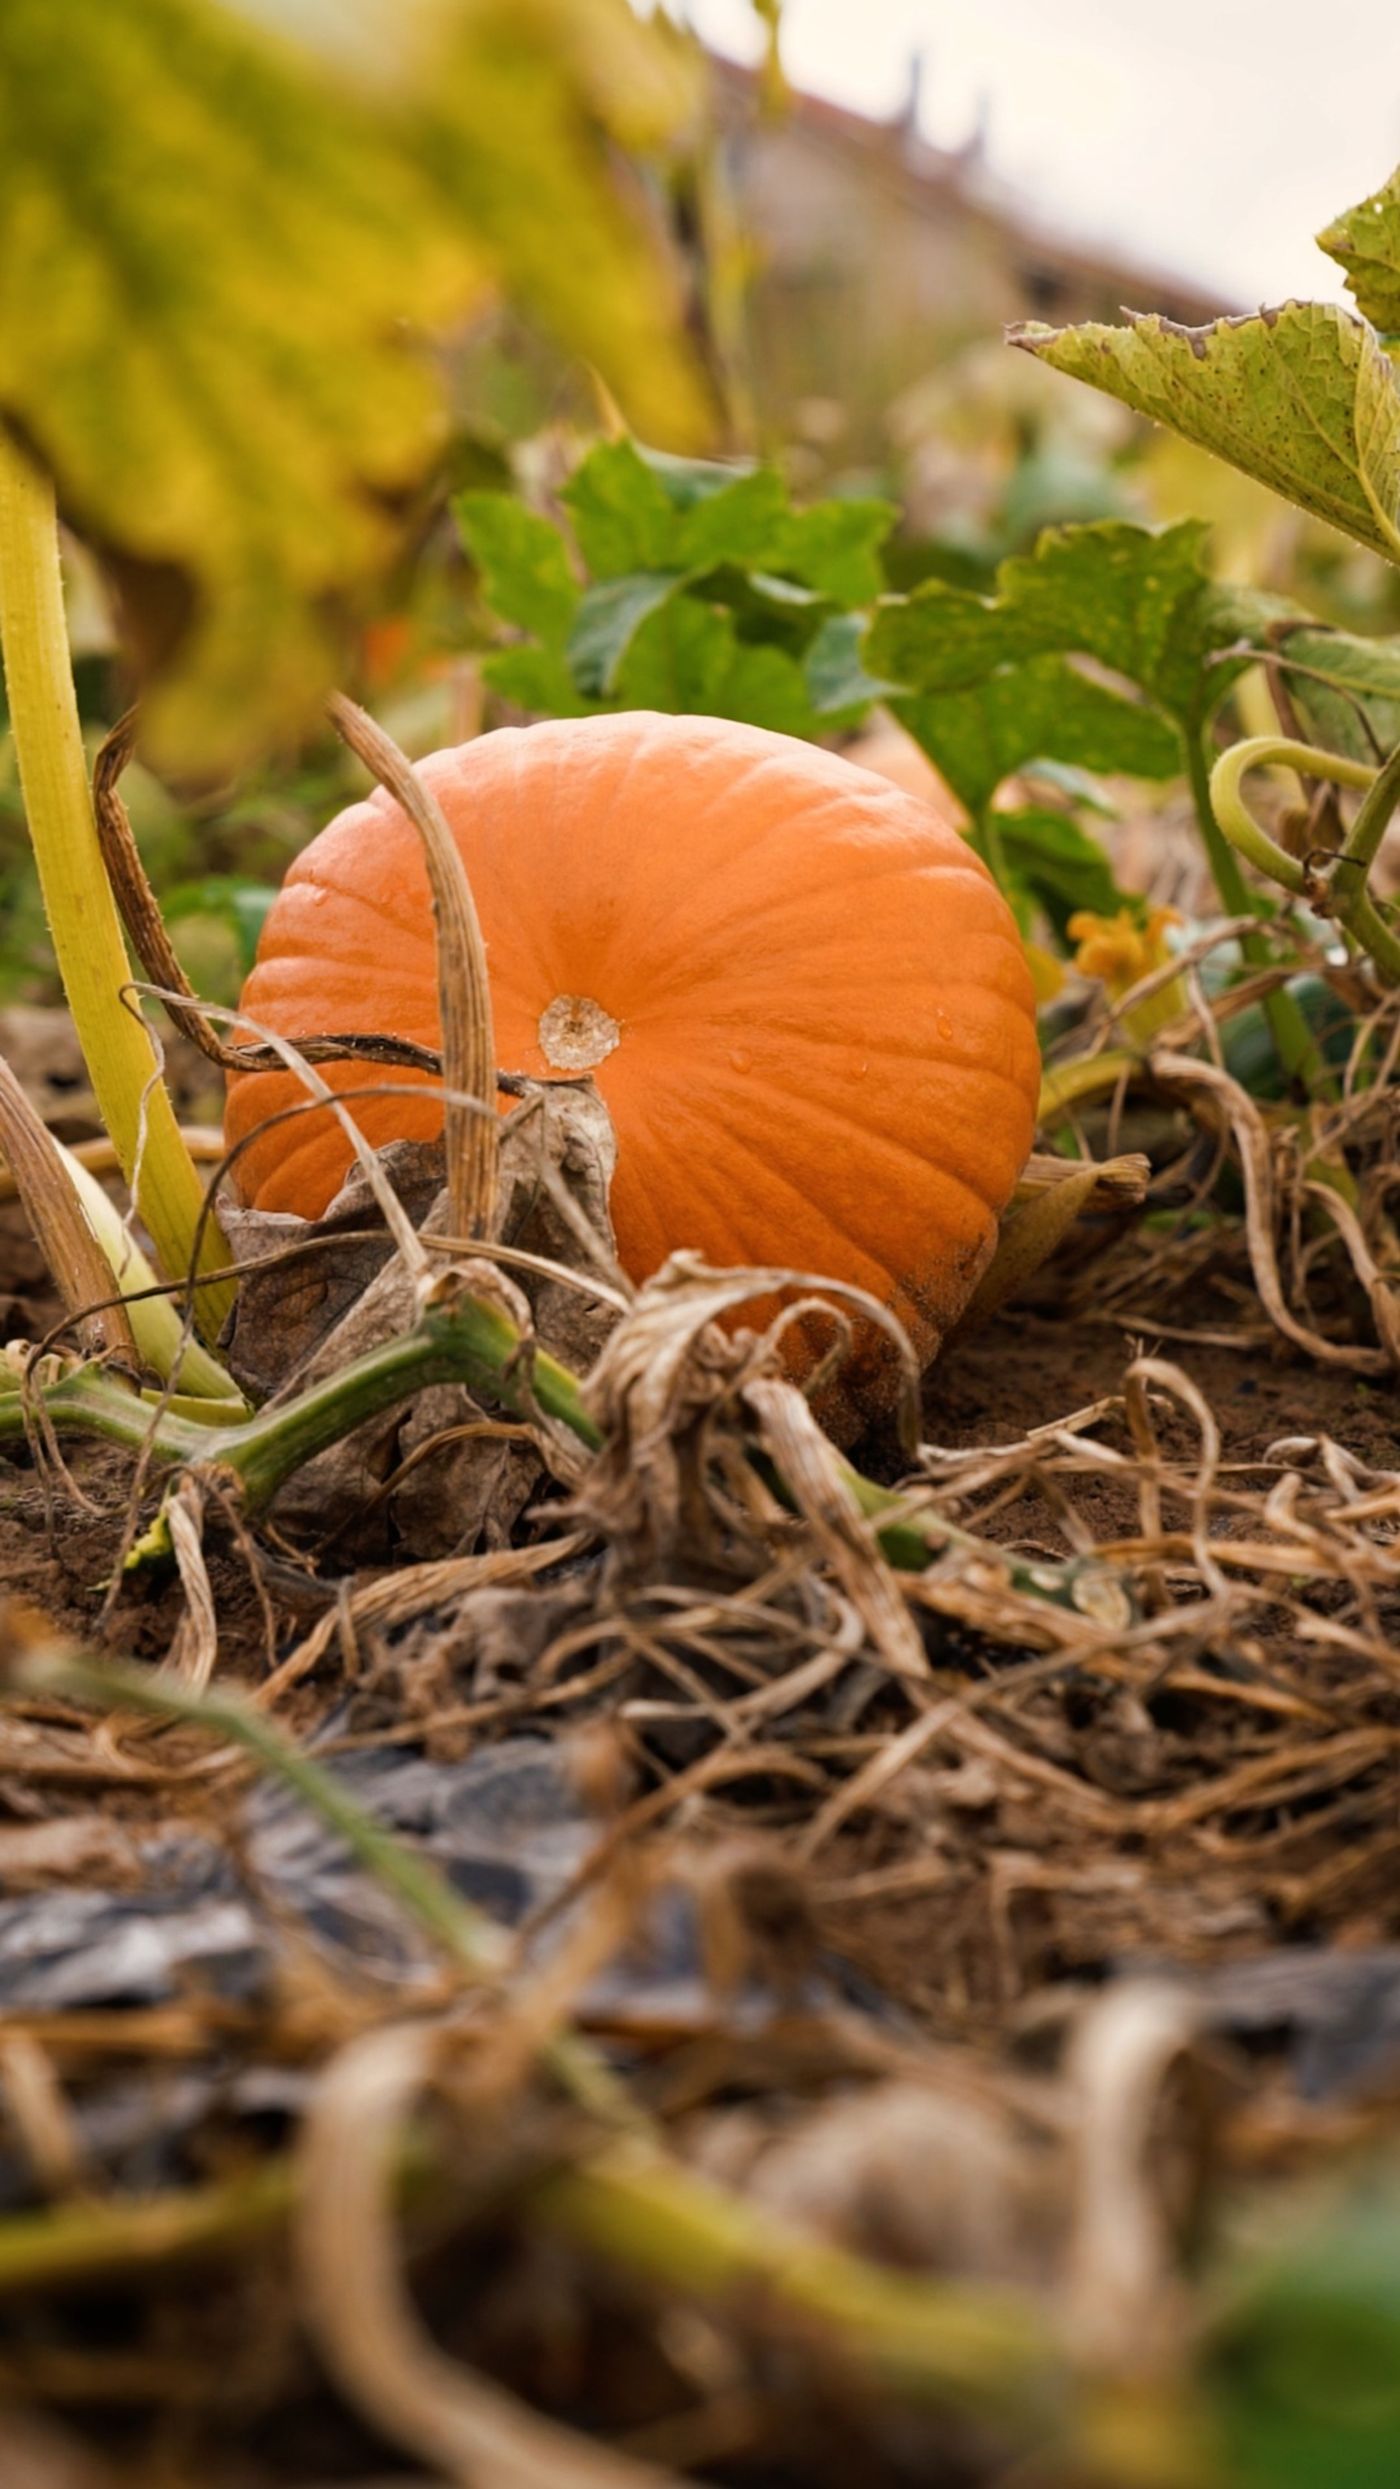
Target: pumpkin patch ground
(699,1303)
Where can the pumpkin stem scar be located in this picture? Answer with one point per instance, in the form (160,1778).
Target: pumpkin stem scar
(576,1032)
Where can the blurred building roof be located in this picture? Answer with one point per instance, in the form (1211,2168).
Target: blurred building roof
(876,253)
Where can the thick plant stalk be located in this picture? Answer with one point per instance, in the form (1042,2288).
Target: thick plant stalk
(82,917)
(471,1139)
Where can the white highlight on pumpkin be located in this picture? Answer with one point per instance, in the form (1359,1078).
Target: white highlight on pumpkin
(576,1033)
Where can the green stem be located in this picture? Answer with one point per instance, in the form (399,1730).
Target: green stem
(91,2236)
(970,2344)
(1363,841)
(1231,884)
(470,1343)
(83,921)
(1294,1043)
(975,2345)
(466,1934)
(88,1401)
(467,1343)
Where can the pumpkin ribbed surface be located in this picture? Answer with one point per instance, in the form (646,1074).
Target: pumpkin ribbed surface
(801,995)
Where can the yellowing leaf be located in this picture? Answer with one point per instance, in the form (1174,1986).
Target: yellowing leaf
(1304,399)
(1366,242)
(217,268)
(513,128)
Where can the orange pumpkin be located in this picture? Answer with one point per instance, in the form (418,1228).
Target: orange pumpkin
(801,995)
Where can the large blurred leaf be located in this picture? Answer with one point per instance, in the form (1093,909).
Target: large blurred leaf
(215,259)
(525,124)
(1366,240)
(1305,399)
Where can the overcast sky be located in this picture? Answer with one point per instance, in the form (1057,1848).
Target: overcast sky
(1212,137)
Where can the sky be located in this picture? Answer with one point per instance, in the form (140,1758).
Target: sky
(1209,138)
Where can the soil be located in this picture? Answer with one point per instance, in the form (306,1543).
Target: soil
(1030,1369)
(1228,1824)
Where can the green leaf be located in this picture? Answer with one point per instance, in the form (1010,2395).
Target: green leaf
(1303,2363)
(740,524)
(834,547)
(836,674)
(998,681)
(686,481)
(1305,399)
(537,679)
(1128,596)
(687,658)
(708,592)
(1345,691)
(217,267)
(765,593)
(1076,785)
(608,617)
(1366,242)
(678,660)
(240,904)
(1043,708)
(623,517)
(764,687)
(1057,864)
(524,567)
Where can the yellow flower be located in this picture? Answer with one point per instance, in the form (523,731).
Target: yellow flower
(1120,950)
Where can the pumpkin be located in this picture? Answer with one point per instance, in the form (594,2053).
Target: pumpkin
(802,997)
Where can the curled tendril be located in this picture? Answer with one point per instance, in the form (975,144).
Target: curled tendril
(1337,884)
